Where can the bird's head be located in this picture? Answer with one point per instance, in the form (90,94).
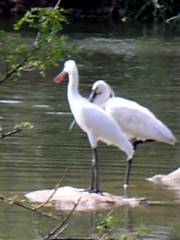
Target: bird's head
(100,92)
(69,68)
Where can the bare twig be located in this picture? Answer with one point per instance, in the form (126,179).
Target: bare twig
(156,4)
(173,19)
(14,70)
(54,191)
(14,201)
(57,4)
(141,9)
(59,228)
(9,133)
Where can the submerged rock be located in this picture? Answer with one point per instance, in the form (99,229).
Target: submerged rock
(65,198)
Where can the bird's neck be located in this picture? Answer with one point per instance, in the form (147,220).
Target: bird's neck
(101,100)
(73,85)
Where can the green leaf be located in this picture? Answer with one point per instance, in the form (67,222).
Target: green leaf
(24,125)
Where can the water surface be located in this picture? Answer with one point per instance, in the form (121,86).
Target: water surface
(140,64)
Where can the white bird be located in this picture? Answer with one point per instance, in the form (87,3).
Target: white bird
(93,120)
(138,123)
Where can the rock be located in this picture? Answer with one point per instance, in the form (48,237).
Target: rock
(172,179)
(65,198)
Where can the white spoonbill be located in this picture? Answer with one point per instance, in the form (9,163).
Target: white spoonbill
(94,121)
(138,123)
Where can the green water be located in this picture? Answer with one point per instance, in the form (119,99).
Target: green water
(141,64)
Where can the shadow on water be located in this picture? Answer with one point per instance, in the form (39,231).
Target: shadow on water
(140,65)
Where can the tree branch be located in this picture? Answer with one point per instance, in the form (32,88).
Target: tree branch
(14,201)
(53,193)
(57,4)
(9,133)
(60,228)
(26,58)
(18,128)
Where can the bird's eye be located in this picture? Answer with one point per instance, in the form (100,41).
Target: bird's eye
(98,91)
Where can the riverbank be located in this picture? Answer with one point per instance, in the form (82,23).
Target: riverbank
(147,11)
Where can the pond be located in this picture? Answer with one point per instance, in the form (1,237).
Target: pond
(140,63)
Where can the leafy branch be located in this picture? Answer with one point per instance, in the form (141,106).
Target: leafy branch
(17,128)
(46,50)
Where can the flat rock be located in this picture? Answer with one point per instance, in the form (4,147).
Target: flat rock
(65,198)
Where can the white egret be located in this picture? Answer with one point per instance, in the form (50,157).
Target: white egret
(138,123)
(94,121)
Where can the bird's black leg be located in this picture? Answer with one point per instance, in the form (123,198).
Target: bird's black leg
(95,172)
(129,165)
(127,173)
(135,142)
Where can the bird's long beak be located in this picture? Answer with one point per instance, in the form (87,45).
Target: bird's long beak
(60,78)
(92,96)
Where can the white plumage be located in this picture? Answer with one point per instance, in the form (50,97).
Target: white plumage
(135,120)
(97,124)
(138,123)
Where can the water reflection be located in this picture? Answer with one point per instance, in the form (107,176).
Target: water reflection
(145,70)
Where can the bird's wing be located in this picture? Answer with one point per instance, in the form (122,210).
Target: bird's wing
(96,122)
(139,122)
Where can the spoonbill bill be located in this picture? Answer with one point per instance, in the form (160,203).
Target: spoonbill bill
(137,122)
(93,120)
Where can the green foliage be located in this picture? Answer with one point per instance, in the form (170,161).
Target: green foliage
(142,231)
(45,20)
(17,128)
(105,226)
(46,50)
(23,125)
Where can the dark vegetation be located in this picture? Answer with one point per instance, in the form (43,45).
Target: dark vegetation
(144,10)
